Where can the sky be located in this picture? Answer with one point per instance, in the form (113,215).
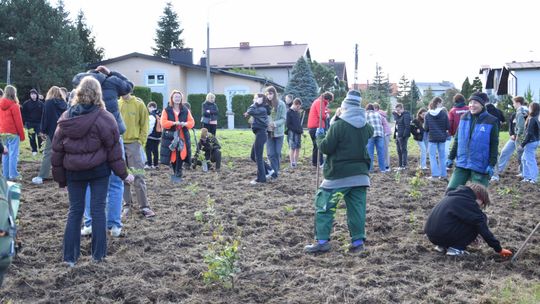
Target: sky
(428,41)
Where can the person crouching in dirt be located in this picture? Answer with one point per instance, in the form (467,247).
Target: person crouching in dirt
(345,174)
(211,148)
(457,219)
(176,121)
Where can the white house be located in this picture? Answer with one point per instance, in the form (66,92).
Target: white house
(438,88)
(515,78)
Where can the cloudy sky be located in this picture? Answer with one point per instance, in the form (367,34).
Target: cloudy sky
(425,40)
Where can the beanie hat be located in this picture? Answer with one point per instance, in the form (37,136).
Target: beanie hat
(481,97)
(353,99)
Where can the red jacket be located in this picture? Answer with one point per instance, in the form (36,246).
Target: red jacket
(313,118)
(454,116)
(10,118)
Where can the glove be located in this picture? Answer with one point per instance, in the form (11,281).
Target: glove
(319,132)
(449,163)
(489,170)
(505,253)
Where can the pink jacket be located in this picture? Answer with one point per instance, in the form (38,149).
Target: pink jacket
(385,125)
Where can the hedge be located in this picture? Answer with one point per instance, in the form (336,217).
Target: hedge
(240,103)
(196,101)
(143,93)
(158,99)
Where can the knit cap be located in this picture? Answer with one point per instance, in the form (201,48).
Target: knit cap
(481,97)
(353,99)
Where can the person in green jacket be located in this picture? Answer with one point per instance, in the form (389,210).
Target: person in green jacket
(276,131)
(346,174)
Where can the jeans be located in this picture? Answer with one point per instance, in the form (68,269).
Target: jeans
(257,155)
(72,234)
(528,161)
(273,152)
(401,144)
(114,200)
(152,152)
(315,151)
(437,164)
(376,142)
(10,160)
(504,157)
(45,169)
(423,145)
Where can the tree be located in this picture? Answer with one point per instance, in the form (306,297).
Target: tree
(41,42)
(168,32)
(90,53)
(477,84)
(381,88)
(325,78)
(302,83)
(415,95)
(448,98)
(466,89)
(428,96)
(404,89)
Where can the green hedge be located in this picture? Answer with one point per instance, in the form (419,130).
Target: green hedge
(158,99)
(196,101)
(240,103)
(143,93)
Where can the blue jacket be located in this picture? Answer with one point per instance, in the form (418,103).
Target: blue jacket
(437,125)
(113,86)
(52,110)
(476,142)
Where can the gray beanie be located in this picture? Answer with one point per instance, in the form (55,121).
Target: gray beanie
(353,99)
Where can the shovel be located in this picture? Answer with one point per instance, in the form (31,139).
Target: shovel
(514,258)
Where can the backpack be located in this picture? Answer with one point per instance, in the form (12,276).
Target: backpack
(9,205)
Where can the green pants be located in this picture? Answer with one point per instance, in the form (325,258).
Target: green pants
(4,264)
(325,211)
(462,176)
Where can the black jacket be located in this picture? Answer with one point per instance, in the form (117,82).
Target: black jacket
(31,112)
(293,122)
(512,124)
(437,125)
(459,217)
(417,130)
(213,114)
(532,133)
(496,112)
(155,134)
(259,113)
(52,110)
(403,124)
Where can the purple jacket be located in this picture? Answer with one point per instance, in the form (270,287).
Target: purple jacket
(386,127)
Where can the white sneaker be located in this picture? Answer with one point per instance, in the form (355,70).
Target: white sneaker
(34,153)
(519,175)
(494,178)
(147,167)
(115,231)
(86,231)
(37,180)
(269,175)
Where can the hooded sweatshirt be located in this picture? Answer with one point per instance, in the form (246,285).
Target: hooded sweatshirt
(455,115)
(10,118)
(436,124)
(52,110)
(521,115)
(31,112)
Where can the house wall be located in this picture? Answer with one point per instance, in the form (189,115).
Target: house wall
(526,79)
(278,75)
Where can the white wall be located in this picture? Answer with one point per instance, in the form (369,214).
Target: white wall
(526,79)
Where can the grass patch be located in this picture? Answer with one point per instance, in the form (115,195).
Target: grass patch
(517,293)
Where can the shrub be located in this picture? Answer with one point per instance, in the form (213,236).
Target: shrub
(196,101)
(240,103)
(221,102)
(158,99)
(143,93)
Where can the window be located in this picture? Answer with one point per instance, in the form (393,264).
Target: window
(155,79)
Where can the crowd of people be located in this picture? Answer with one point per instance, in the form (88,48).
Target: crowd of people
(99,139)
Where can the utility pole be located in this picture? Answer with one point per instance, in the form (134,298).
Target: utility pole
(8,78)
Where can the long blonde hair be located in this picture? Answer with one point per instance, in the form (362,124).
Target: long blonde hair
(54,93)
(10,92)
(88,92)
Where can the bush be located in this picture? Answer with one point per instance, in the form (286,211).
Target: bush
(240,103)
(143,93)
(221,102)
(196,101)
(158,99)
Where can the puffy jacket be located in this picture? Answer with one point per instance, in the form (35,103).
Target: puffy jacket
(476,142)
(259,113)
(113,86)
(10,118)
(32,111)
(417,129)
(52,110)
(313,117)
(86,144)
(436,125)
(455,115)
(403,124)
(533,131)
(210,111)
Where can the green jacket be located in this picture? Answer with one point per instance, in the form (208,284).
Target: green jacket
(278,118)
(345,147)
(135,117)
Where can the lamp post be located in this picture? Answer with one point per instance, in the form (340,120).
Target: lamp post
(208,79)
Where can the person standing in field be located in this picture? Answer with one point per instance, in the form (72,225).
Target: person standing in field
(11,132)
(377,140)
(529,145)
(209,113)
(276,130)
(32,110)
(313,123)
(258,113)
(436,126)
(402,132)
(420,136)
(387,134)
(294,131)
(154,137)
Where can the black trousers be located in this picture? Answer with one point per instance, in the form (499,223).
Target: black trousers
(33,131)
(401,144)
(211,128)
(152,152)
(315,149)
(214,157)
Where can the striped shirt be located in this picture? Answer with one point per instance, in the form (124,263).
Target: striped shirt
(375,120)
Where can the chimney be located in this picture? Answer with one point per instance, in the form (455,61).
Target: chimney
(287,43)
(244,45)
(181,55)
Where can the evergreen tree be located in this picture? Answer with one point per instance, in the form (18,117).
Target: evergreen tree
(90,53)
(302,83)
(168,32)
(382,88)
(404,90)
(415,95)
(325,78)
(428,96)
(466,89)
(448,98)
(529,95)
(476,84)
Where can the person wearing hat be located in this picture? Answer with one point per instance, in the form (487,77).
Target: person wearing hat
(346,174)
(475,145)
(32,111)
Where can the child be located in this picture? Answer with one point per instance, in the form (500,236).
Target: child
(211,148)
(294,131)
(456,221)
(420,136)
(154,137)
(259,111)
(529,145)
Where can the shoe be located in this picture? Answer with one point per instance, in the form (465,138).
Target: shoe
(356,249)
(255,182)
(115,231)
(527,180)
(423,168)
(86,230)
(493,179)
(69,264)
(34,153)
(37,180)
(147,212)
(456,252)
(443,178)
(269,174)
(519,175)
(318,248)
(439,249)
(146,167)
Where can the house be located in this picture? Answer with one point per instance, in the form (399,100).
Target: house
(340,69)
(514,78)
(438,88)
(178,72)
(273,62)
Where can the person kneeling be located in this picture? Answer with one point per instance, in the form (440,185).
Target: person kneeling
(457,219)
(212,151)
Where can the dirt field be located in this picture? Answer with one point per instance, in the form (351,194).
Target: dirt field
(161,261)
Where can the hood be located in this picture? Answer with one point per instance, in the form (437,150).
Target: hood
(355,116)
(435,112)
(77,121)
(462,191)
(60,104)
(523,109)
(5,104)
(459,105)
(97,75)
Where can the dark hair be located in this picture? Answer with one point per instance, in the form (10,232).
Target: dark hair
(328,96)
(458,98)
(399,105)
(370,107)
(420,111)
(275,101)
(481,193)
(297,101)
(519,99)
(534,110)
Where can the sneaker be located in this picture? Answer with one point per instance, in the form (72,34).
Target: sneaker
(269,174)
(147,212)
(69,264)
(424,168)
(37,180)
(318,248)
(356,249)
(519,175)
(255,182)
(146,167)
(86,230)
(527,180)
(115,231)
(456,252)
(34,153)
(494,178)
(439,249)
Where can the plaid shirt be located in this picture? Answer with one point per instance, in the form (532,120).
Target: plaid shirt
(375,120)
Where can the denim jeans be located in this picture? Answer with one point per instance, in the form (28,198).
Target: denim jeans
(423,145)
(114,200)
(504,157)
(273,152)
(528,161)
(10,160)
(72,236)
(376,142)
(437,164)
(257,155)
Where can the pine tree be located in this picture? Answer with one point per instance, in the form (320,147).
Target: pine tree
(325,78)
(90,53)
(382,88)
(428,96)
(466,89)
(404,88)
(415,95)
(168,32)
(476,84)
(302,83)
